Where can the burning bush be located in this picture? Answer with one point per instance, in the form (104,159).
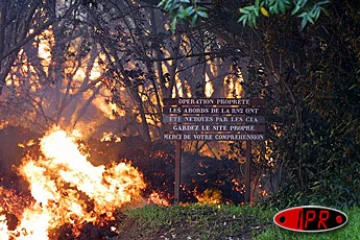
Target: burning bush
(66,189)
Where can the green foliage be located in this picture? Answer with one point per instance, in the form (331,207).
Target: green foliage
(226,221)
(183,10)
(250,14)
(148,214)
(319,145)
(309,11)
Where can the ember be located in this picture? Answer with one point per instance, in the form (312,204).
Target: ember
(157,199)
(209,196)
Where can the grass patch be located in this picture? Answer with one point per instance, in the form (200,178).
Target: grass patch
(218,222)
(350,231)
(201,222)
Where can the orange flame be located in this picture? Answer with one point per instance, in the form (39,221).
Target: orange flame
(109,137)
(209,196)
(69,189)
(157,199)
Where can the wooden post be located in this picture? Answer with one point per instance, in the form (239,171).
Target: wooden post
(247,173)
(178,151)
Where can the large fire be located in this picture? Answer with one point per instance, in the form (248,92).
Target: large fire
(67,189)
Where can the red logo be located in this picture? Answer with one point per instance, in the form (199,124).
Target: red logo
(310,219)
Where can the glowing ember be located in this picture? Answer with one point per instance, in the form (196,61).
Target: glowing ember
(157,199)
(264,193)
(68,189)
(109,136)
(209,196)
(237,186)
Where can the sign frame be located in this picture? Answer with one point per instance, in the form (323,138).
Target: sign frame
(214,112)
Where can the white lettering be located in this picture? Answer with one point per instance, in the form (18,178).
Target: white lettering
(198,119)
(251,110)
(196,110)
(235,137)
(219,128)
(233,101)
(242,128)
(237,110)
(221,119)
(251,119)
(200,101)
(186,128)
(202,137)
(172,136)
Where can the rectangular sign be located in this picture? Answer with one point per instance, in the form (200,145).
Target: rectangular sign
(247,110)
(213,119)
(213,101)
(260,128)
(215,137)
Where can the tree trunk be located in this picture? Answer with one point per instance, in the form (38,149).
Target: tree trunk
(2,41)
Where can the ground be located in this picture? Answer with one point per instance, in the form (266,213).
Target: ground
(191,222)
(219,222)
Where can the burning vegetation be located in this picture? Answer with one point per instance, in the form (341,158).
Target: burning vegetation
(66,190)
(64,187)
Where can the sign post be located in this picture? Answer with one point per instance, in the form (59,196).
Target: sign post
(247,173)
(178,151)
(209,119)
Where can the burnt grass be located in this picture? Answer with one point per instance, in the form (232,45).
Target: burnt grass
(200,222)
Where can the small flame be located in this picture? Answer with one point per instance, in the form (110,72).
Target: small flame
(264,193)
(46,42)
(209,196)
(3,124)
(109,109)
(237,186)
(209,88)
(157,199)
(29,143)
(109,137)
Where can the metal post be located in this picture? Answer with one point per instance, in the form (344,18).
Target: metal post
(247,173)
(178,151)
